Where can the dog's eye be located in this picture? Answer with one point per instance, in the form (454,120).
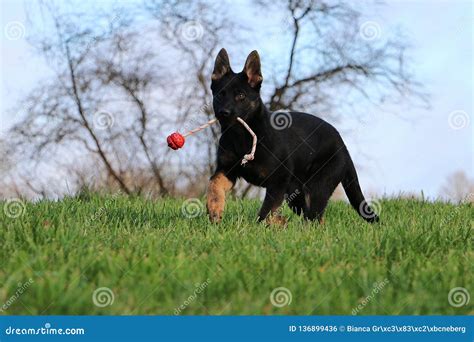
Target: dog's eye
(240,96)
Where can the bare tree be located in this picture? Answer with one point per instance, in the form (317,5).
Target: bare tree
(331,59)
(458,188)
(60,113)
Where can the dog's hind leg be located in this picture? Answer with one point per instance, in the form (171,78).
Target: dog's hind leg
(272,202)
(297,204)
(295,198)
(319,188)
(318,200)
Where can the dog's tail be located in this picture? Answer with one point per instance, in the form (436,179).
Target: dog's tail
(351,186)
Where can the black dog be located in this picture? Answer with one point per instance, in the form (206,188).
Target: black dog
(299,157)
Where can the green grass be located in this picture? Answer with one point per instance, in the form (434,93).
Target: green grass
(153,259)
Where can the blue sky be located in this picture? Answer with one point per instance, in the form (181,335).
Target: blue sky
(406,155)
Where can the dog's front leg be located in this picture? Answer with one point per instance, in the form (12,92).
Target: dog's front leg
(219,185)
(273,200)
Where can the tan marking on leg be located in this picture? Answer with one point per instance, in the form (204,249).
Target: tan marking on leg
(307,200)
(216,191)
(276,219)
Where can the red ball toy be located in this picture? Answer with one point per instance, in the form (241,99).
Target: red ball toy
(175,141)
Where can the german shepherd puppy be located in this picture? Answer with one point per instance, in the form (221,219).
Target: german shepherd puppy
(299,157)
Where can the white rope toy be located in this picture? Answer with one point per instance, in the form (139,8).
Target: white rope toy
(200,128)
(176,140)
(251,155)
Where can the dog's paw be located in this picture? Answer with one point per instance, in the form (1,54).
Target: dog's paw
(276,220)
(215,210)
(215,216)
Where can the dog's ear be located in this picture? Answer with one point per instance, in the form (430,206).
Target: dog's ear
(221,65)
(253,70)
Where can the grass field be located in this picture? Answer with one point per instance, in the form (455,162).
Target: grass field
(57,258)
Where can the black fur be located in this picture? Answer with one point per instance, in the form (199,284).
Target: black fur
(302,163)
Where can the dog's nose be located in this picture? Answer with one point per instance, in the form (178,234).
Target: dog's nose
(224,112)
